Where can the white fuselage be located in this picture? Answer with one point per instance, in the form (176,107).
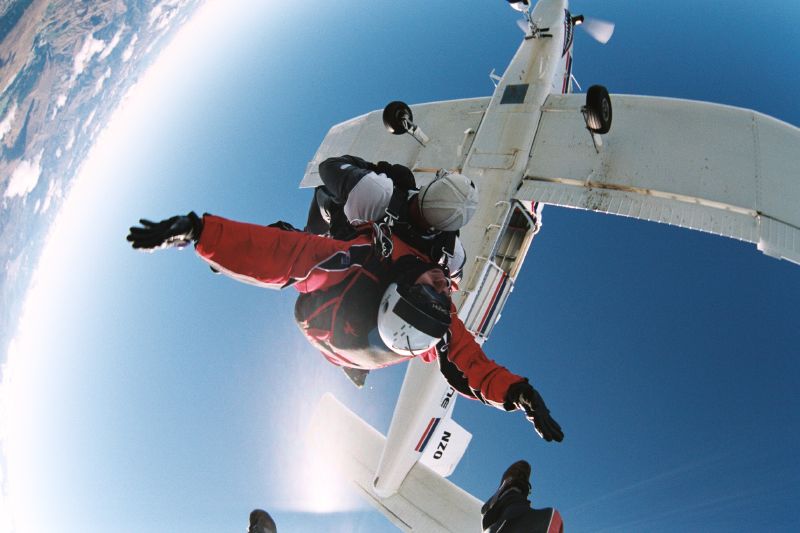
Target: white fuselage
(500,149)
(503,142)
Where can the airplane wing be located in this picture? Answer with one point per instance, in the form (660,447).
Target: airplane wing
(698,165)
(451,126)
(425,502)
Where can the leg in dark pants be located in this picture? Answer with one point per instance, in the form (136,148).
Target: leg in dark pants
(510,511)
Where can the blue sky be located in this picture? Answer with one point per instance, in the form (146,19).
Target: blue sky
(150,395)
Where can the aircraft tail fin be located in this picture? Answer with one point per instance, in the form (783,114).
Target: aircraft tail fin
(425,500)
(447,448)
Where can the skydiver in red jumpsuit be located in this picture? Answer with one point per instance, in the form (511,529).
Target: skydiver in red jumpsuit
(365,303)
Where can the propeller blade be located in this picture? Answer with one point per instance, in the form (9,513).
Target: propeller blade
(600,30)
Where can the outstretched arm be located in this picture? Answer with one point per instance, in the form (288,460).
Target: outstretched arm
(494,384)
(272,256)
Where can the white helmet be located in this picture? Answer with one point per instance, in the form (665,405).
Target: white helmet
(412,318)
(449,201)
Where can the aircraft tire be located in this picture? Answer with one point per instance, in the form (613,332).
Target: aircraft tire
(598,109)
(393,115)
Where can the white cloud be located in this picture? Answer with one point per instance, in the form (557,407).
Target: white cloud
(128,53)
(112,44)
(98,86)
(54,191)
(5,125)
(91,46)
(61,99)
(161,16)
(24,178)
(70,140)
(154,15)
(10,81)
(89,119)
(98,128)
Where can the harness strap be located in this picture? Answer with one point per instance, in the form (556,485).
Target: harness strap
(397,205)
(447,245)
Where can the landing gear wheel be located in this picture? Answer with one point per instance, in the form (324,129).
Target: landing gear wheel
(395,117)
(597,110)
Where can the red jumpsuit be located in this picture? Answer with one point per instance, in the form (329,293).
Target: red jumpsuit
(272,257)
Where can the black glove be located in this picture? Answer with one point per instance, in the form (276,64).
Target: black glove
(524,396)
(177,231)
(261,522)
(401,176)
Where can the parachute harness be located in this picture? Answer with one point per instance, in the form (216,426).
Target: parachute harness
(382,238)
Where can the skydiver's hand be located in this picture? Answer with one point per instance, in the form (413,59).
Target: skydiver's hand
(177,231)
(400,175)
(525,397)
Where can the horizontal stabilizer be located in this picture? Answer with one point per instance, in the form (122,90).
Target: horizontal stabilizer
(698,165)
(425,501)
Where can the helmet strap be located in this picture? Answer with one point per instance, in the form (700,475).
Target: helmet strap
(410,350)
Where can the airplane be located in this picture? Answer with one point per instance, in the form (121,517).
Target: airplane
(698,165)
